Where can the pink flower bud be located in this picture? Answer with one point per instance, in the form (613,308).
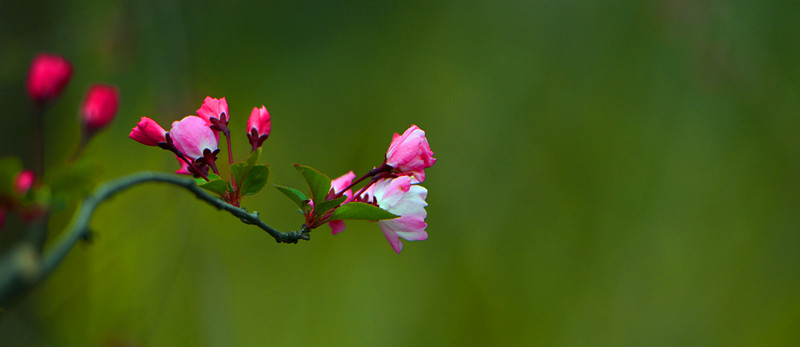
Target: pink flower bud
(47,77)
(410,153)
(338,185)
(191,135)
(213,108)
(258,126)
(24,182)
(407,200)
(99,107)
(148,132)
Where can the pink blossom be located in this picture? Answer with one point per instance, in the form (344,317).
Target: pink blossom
(47,77)
(24,182)
(407,200)
(258,126)
(99,107)
(338,185)
(191,136)
(148,132)
(410,153)
(213,108)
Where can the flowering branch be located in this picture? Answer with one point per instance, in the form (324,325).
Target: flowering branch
(22,269)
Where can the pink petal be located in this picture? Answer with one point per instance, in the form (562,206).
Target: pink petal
(337,226)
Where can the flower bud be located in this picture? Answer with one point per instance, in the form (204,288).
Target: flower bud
(213,108)
(47,77)
(410,153)
(24,181)
(99,107)
(148,132)
(191,136)
(258,126)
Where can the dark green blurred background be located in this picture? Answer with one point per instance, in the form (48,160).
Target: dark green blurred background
(610,173)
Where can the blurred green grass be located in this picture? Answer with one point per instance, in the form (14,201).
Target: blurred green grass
(615,173)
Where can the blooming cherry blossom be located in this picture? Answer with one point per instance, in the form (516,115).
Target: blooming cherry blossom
(192,137)
(407,200)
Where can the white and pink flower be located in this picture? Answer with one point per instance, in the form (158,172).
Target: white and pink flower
(407,200)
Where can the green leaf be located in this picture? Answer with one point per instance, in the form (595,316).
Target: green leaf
(200,181)
(216,185)
(295,195)
(239,171)
(253,157)
(255,180)
(242,169)
(361,210)
(328,205)
(318,182)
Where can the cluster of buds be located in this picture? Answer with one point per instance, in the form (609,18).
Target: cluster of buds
(23,190)
(194,140)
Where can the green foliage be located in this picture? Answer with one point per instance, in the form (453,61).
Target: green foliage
(249,177)
(327,205)
(318,183)
(360,210)
(241,169)
(295,195)
(215,184)
(254,180)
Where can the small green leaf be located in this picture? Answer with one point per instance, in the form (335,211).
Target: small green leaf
(318,182)
(360,210)
(328,205)
(295,195)
(239,171)
(253,157)
(216,185)
(255,180)
(200,181)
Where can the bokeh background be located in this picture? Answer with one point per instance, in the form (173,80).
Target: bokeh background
(610,173)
